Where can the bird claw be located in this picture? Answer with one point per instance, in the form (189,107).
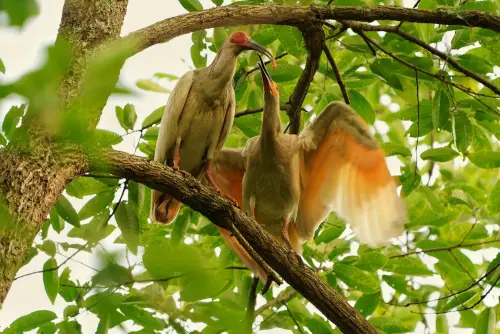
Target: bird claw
(230,198)
(183,172)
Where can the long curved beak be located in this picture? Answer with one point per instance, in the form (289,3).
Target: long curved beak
(266,78)
(251,44)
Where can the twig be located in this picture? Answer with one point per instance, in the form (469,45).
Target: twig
(434,51)
(283,297)
(365,38)
(79,249)
(252,298)
(414,6)
(439,249)
(293,318)
(440,78)
(418,125)
(337,74)
(454,294)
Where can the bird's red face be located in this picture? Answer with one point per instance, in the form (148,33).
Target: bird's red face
(242,39)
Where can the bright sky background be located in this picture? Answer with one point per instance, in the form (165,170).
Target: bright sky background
(24,50)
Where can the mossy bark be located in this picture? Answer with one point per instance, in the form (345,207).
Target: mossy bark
(33,174)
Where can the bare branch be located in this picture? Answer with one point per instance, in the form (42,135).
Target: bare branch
(440,249)
(337,74)
(219,210)
(235,15)
(315,42)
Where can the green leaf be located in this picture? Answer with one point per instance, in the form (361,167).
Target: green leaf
(128,222)
(220,36)
(84,186)
(494,273)
(96,205)
(480,140)
(371,261)
(3,140)
(32,321)
(105,138)
(332,232)
(154,117)
(399,284)
(181,225)
(218,2)
(152,133)
(12,119)
(458,300)
(390,324)
(380,67)
(71,311)
(51,279)
(250,125)
(431,199)
(191,5)
(49,247)
(391,149)
(440,109)
(485,159)
(291,40)
(265,35)
(2,66)
(318,325)
(475,64)
(169,77)
(285,72)
(199,45)
(407,266)
(56,222)
(126,116)
(141,317)
(151,86)
(462,131)
(486,322)
(356,278)
(362,107)
(494,200)
(410,180)
(441,154)
(367,304)
(69,293)
(66,211)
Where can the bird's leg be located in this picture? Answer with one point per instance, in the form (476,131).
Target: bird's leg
(177,158)
(208,173)
(286,238)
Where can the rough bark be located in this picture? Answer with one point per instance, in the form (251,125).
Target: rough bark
(87,26)
(33,176)
(220,211)
(31,180)
(314,39)
(235,15)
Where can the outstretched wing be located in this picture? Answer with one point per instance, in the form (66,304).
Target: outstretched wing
(228,169)
(164,208)
(344,170)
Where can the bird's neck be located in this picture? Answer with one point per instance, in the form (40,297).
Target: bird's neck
(223,68)
(271,121)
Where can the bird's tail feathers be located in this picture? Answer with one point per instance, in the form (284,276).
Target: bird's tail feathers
(164,208)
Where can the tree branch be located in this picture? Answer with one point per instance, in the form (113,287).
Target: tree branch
(281,298)
(315,42)
(219,210)
(434,51)
(440,249)
(236,15)
(337,74)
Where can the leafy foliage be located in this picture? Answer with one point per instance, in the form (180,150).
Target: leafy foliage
(446,145)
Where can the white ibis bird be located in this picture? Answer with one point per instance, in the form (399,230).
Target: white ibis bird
(197,119)
(290,183)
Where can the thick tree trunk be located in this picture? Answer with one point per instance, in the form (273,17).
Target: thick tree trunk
(30,183)
(33,177)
